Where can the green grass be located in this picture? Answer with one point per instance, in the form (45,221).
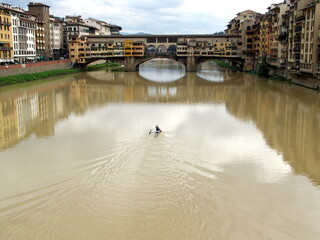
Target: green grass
(103,66)
(226,65)
(22,78)
(33,83)
(279,78)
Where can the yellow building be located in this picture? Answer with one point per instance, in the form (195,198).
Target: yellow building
(6,41)
(8,123)
(79,49)
(128,48)
(138,48)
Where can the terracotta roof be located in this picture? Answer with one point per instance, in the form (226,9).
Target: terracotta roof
(27,19)
(37,4)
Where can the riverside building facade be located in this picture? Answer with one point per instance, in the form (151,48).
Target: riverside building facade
(6,48)
(35,35)
(24,27)
(56,31)
(287,36)
(41,11)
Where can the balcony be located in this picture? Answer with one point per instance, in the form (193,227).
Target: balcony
(138,54)
(300,19)
(138,44)
(306,67)
(296,49)
(298,29)
(182,43)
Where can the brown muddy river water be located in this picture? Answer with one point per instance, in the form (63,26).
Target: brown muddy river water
(238,158)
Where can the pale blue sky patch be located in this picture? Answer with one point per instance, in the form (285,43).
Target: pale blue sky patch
(157,17)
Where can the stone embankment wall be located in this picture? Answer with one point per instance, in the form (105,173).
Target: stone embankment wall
(302,79)
(306,80)
(15,69)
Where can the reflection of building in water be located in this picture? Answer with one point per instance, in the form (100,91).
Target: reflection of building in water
(34,112)
(8,123)
(78,95)
(289,118)
(23,114)
(28,112)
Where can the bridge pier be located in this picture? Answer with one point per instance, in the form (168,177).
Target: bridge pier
(130,64)
(191,65)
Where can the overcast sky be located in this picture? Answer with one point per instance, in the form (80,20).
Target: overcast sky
(150,16)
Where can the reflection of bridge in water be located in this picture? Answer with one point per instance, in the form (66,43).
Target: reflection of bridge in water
(189,88)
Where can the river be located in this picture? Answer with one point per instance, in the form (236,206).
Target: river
(238,158)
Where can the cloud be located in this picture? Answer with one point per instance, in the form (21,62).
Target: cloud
(167,16)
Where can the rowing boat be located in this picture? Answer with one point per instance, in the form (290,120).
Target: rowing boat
(156,133)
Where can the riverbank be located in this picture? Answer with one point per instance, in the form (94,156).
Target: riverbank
(223,64)
(278,75)
(23,78)
(36,67)
(111,66)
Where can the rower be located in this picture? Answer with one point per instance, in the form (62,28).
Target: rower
(158,129)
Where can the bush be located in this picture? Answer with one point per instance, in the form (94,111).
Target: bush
(102,66)
(263,68)
(226,65)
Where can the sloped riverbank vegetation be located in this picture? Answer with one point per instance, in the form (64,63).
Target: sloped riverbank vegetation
(22,78)
(226,65)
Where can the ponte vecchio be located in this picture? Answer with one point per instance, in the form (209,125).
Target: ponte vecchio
(132,50)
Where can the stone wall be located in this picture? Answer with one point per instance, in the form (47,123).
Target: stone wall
(303,79)
(15,69)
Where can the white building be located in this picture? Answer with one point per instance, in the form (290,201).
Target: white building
(24,26)
(103,27)
(56,31)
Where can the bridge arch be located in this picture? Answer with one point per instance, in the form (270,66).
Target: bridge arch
(172,49)
(144,60)
(162,49)
(151,49)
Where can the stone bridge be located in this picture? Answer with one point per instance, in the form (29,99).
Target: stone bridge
(190,62)
(133,50)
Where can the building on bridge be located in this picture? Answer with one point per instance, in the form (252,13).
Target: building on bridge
(86,49)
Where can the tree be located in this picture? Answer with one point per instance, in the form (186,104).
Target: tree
(263,68)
